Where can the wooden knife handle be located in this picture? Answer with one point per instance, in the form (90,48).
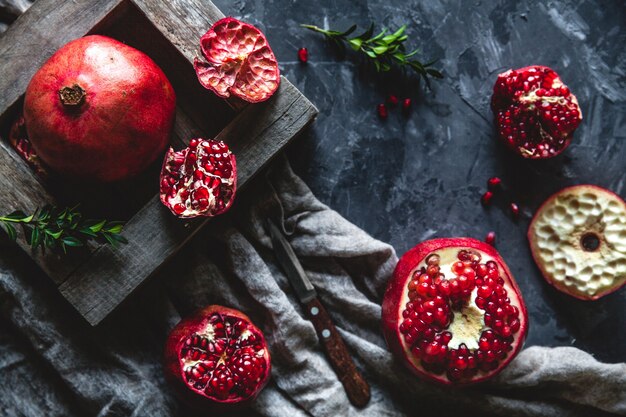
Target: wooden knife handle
(357,389)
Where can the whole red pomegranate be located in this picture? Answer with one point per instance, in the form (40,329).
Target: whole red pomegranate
(452,311)
(99,110)
(535,113)
(216,358)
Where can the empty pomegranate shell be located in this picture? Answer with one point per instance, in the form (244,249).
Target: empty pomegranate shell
(238,61)
(217,359)
(452,312)
(200,180)
(535,113)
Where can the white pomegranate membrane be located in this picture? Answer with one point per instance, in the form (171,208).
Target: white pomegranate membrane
(225,360)
(578,240)
(199,180)
(458,318)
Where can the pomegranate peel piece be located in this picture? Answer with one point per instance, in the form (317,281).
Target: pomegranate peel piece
(238,61)
(200,180)
(452,312)
(535,113)
(578,241)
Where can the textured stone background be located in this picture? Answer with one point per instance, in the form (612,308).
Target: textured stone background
(417,177)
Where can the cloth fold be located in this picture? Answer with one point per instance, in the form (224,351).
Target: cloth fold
(53,364)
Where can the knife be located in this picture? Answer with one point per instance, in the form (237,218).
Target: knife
(357,389)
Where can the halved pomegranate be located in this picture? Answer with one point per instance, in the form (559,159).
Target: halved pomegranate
(200,180)
(452,311)
(216,357)
(239,61)
(535,113)
(578,241)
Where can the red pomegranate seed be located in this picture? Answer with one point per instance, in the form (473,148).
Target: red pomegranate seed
(491,238)
(303,55)
(392,100)
(494,183)
(515,210)
(406,104)
(486,198)
(382,111)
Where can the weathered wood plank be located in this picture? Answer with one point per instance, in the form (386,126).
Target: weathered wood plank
(24,47)
(255,135)
(95,283)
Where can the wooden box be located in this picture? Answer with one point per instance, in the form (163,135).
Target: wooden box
(97,279)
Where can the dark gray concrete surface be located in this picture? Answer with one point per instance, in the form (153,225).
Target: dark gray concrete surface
(412,178)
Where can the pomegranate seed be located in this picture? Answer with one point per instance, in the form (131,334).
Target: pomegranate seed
(392,100)
(406,104)
(515,210)
(486,198)
(491,238)
(382,111)
(303,55)
(494,183)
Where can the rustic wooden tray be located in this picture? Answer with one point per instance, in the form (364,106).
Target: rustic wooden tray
(98,278)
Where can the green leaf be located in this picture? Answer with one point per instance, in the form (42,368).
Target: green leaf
(11,232)
(114,227)
(349,31)
(355,43)
(400,31)
(98,226)
(71,241)
(379,50)
(371,54)
(35,238)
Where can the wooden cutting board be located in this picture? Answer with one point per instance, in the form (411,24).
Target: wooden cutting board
(96,279)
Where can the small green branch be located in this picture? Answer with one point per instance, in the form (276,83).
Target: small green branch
(52,227)
(384,49)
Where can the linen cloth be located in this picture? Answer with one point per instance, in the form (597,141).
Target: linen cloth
(52,363)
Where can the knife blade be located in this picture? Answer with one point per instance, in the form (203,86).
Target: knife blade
(356,387)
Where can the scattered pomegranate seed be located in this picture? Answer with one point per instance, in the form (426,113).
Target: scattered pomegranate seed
(303,55)
(490,238)
(486,198)
(406,104)
(382,111)
(494,183)
(515,210)
(392,100)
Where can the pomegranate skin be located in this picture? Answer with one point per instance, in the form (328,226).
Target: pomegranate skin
(174,374)
(392,308)
(120,126)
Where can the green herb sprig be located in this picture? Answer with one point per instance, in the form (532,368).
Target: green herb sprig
(384,49)
(52,227)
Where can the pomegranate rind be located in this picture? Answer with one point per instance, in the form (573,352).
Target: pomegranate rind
(226,184)
(564,218)
(174,373)
(124,122)
(520,100)
(238,61)
(395,298)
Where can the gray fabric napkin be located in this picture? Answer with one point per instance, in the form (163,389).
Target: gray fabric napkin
(53,364)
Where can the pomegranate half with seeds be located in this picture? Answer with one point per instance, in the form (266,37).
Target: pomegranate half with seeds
(535,113)
(452,311)
(199,180)
(216,358)
(99,110)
